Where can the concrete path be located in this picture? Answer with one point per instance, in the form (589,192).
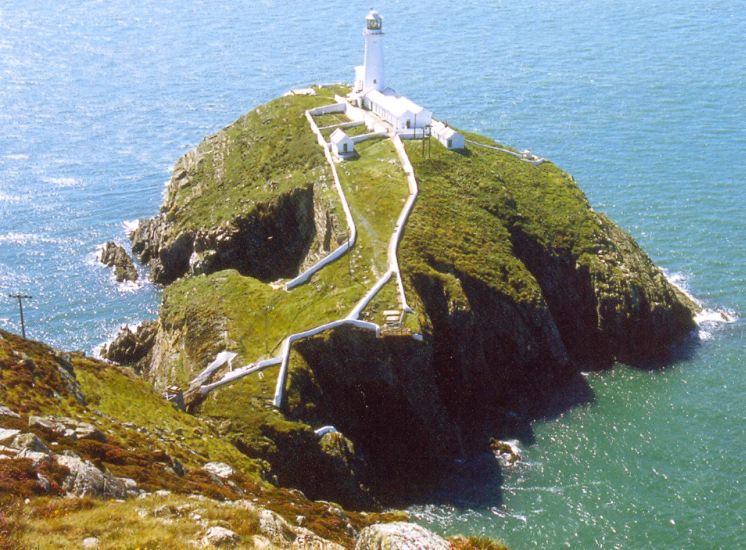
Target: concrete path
(526,156)
(352,319)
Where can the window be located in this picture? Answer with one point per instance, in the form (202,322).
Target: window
(344,147)
(450,143)
(409,123)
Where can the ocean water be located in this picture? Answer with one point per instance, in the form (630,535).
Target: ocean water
(643,101)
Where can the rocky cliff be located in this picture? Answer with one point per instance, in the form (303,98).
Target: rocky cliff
(254,197)
(514,279)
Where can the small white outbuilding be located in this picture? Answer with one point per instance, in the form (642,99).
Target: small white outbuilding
(447,136)
(342,145)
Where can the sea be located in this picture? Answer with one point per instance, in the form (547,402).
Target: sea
(643,101)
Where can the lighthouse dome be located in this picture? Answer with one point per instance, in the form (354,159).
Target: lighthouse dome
(373,21)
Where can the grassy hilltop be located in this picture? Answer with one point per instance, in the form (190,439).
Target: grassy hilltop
(515,281)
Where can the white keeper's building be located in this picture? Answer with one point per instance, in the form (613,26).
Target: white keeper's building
(370,92)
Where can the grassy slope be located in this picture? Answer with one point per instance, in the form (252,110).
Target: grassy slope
(468,199)
(264,153)
(376,189)
(143,433)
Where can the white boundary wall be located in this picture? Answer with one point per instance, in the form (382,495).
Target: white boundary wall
(352,230)
(351,319)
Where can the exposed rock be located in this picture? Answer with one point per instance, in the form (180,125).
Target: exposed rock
(36,458)
(83,430)
(220,469)
(67,427)
(308,540)
(91,542)
(220,536)
(506,452)
(132,348)
(43,482)
(262,543)
(275,528)
(5,411)
(87,480)
(31,442)
(269,242)
(116,256)
(399,536)
(8,435)
(71,383)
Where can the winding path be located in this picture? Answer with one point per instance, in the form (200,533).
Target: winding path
(198,386)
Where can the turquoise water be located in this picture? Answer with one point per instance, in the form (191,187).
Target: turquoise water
(643,102)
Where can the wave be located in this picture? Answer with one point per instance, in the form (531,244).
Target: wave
(130,226)
(61,181)
(17,156)
(11,198)
(707,319)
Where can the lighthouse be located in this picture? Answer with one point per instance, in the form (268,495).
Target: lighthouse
(369,76)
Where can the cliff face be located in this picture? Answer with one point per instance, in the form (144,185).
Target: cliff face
(89,450)
(254,197)
(514,279)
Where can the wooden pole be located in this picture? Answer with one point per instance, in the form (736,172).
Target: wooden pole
(20,298)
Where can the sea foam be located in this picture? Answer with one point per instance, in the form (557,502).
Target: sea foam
(707,319)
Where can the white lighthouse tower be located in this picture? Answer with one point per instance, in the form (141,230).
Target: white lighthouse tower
(369,76)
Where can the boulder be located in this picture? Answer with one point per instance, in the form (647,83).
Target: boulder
(8,435)
(308,540)
(399,535)
(220,536)
(30,442)
(85,479)
(84,430)
(37,458)
(220,469)
(132,347)
(275,528)
(116,256)
(5,411)
(262,543)
(90,542)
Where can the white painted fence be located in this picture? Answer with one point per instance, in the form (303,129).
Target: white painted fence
(351,229)
(352,318)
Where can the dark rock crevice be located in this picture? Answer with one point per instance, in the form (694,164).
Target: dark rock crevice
(275,240)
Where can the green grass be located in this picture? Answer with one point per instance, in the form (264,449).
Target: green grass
(153,522)
(330,119)
(264,153)
(258,317)
(470,202)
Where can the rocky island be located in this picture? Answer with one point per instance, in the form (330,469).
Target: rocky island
(513,284)
(513,280)
(354,301)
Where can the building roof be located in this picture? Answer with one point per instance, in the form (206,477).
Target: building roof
(394,103)
(338,136)
(442,129)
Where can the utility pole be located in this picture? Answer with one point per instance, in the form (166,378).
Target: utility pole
(266,309)
(20,298)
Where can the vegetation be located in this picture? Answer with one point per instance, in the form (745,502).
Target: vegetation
(148,440)
(265,153)
(376,189)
